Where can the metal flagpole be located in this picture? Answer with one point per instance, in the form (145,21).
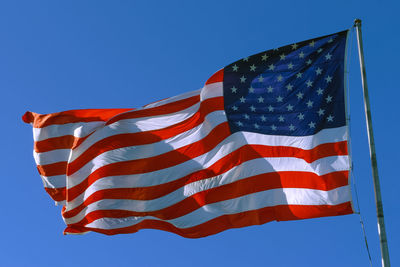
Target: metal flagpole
(377,187)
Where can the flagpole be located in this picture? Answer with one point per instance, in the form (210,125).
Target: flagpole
(377,187)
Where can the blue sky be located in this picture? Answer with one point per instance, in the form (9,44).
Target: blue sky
(60,55)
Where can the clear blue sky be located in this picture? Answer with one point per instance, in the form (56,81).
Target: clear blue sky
(60,55)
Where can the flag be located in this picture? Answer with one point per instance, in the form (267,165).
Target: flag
(265,139)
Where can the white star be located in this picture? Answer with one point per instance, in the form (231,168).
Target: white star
(271,67)
(252,108)
(273,127)
(318,71)
(270,89)
(247,117)
(320,91)
(289,107)
(256,126)
(234,89)
(243,79)
(253,68)
(270,108)
(310,103)
(246,59)
(300,116)
(328,99)
(260,99)
(321,112)
(294,46)
(264,57)
(319,50)
(239,123)
(300,95)
(283,56)
(234,108)
(309,83)
(279,99)
(330,118)
(280,78)
(289,87)
(330,40)
(301,55)
(290,66)
(291,127)
(309,62)
(312,125)
(261,79)
(251,90)
(328,79)
(281,118)
(263,118)
(299,75)
(242,99)
(328,56)
(235,67)
(312,44)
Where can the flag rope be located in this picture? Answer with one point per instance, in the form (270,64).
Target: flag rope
(361,218)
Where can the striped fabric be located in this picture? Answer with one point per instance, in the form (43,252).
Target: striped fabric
(175,165)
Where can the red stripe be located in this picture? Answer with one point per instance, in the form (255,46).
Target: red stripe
(165,160)
(57,194)
(53,169)
(258,183)
(61,142)
(216,77)
(71,116)
(225,222)
(237,157)
(160,110)
(148,137)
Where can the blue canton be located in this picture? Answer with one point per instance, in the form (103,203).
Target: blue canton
(295,90)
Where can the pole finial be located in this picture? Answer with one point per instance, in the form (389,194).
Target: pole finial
(357,23)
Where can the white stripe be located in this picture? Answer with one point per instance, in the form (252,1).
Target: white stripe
(224,148)
(243,171)
(171,99)
(52,156)
(60,203)
(156,122)
(268,198)
(79,129)
(212,90)
(56,181)
(331,135)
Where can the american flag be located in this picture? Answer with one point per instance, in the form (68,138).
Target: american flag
(265,139)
